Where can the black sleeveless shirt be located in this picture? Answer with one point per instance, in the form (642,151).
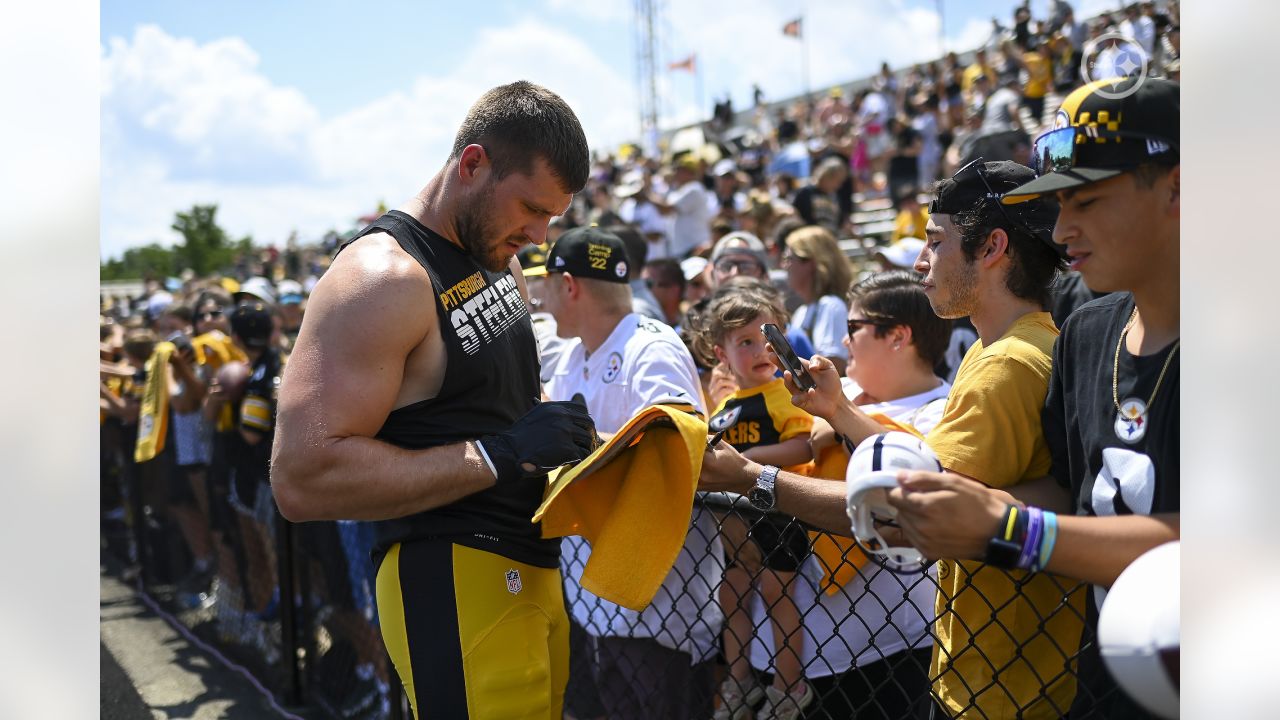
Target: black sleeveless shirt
(490,381)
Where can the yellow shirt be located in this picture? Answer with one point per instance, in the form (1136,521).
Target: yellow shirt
(971,74)
(910,224)
(990,431)
(1038,75)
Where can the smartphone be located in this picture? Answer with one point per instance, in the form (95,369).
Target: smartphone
(782,348)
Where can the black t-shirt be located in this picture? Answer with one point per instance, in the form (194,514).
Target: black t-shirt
(255,412)
(490,381)
(1106,473)
(1069,293)
(818,208)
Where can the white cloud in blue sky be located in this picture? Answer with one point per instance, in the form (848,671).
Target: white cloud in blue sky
(303,116)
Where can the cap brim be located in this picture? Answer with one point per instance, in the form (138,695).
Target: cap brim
(539,271)
(1053,182)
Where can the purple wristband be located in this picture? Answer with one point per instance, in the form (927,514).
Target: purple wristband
(1031,543)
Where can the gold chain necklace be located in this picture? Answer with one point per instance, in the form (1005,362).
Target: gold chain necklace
(1130,426)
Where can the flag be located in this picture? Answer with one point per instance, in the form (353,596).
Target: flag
(792,29)
(686,64)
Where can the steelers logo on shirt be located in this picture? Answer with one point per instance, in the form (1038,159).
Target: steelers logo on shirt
(612,367)
(725,420)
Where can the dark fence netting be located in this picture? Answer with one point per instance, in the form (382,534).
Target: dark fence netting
(760,616)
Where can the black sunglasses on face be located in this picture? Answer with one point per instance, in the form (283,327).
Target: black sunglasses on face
(217,312)
(855,323)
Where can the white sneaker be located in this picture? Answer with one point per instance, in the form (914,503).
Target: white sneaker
(734,703)
(783,705)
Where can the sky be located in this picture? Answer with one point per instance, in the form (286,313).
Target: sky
(302,116)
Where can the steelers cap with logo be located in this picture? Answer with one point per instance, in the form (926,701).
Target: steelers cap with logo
(533,260)
(251,322)
(1103,129)
(589,252)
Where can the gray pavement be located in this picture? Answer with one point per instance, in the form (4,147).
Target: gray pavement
(150,672)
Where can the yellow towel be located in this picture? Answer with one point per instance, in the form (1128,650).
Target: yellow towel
(153,415)
(840,556)
(632,499)
(213,350)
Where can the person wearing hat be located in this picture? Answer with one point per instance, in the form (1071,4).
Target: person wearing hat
(411,400)
(256,288)
(1111,418)
(994,264)
(638,209)
(728,201)
(689,203)
(622,362)
(290,309)
(248,446)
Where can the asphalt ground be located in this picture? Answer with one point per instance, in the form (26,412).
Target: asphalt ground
(151,672)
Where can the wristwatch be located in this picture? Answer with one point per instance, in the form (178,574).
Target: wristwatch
(1004,548)
(762,495)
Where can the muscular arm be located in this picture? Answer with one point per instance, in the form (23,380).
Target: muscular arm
(366,316)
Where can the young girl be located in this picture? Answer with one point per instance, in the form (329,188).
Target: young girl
(759,420)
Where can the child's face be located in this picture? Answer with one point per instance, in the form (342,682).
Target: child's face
(742,351)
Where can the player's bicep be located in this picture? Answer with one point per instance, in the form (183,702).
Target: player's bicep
(347,366)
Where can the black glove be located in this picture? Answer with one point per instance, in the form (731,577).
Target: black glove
(548,436)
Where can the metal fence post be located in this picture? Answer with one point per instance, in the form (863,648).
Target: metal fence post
(288,628)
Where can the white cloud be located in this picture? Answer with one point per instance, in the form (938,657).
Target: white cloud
(186,123)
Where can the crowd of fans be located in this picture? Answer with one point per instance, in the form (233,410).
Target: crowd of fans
(753,225)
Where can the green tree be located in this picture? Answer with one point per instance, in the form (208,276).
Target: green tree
(205,246)
(151,261)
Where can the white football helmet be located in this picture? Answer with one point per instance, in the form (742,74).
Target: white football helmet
(873,471)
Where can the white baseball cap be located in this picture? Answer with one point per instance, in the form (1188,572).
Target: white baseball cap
(903,253)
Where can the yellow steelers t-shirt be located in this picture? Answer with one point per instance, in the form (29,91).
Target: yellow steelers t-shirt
(762,415)
(991,652)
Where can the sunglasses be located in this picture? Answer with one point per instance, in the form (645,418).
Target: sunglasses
(210,314)
(855,323)
(976,166)
(1055,151)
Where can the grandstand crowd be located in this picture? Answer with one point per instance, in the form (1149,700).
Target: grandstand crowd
(811,214)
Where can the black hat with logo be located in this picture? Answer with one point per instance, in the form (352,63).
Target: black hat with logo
(589,252)
(1103,129)
(251,322)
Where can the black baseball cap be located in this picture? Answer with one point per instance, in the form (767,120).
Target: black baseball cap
(589,252)
(251,322)
(980,181)
(1103,129)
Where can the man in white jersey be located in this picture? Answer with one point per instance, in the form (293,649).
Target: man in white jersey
(657,663)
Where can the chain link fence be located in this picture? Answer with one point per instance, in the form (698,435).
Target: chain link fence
(757,607)
(291,604)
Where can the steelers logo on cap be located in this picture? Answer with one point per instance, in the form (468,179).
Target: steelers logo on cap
(620,269)
(1113,55)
